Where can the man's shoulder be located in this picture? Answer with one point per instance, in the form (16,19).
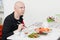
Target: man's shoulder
(9,17)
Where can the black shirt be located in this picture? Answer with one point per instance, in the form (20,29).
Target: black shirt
(10,25)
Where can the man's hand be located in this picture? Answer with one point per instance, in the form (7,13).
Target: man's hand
(20,27)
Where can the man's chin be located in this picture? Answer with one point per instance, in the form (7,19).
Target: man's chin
(22,14)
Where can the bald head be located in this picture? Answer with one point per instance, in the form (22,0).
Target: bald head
(19,3)
(19,8)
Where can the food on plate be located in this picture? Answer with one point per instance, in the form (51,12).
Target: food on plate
(50,19)
(33,35)
(42,30)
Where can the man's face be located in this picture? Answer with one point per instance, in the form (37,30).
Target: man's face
(20,8)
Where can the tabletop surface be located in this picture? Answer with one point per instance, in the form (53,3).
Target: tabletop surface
(53,35)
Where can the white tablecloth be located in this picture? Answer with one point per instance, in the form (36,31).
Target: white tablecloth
(53,35)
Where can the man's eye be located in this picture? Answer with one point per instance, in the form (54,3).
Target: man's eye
(21,7)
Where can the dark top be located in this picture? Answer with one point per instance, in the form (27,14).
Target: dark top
(58,38)
(10,25)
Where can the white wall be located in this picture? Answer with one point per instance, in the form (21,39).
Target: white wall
(36,10)
(2,16)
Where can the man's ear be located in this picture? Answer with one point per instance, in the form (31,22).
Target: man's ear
(14,7)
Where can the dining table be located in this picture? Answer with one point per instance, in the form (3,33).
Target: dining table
(54,34)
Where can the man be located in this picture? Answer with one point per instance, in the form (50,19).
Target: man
(13,23)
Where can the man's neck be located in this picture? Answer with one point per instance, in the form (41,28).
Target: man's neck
(16,16)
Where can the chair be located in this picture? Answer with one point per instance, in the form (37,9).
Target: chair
(1,26)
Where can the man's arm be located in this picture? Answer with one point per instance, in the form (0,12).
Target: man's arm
(7,28)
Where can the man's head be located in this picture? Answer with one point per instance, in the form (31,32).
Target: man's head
(19,8)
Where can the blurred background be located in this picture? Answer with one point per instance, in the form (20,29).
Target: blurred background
(1,12)
(36,10)
(1,17)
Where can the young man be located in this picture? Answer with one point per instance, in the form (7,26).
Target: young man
(14,22)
